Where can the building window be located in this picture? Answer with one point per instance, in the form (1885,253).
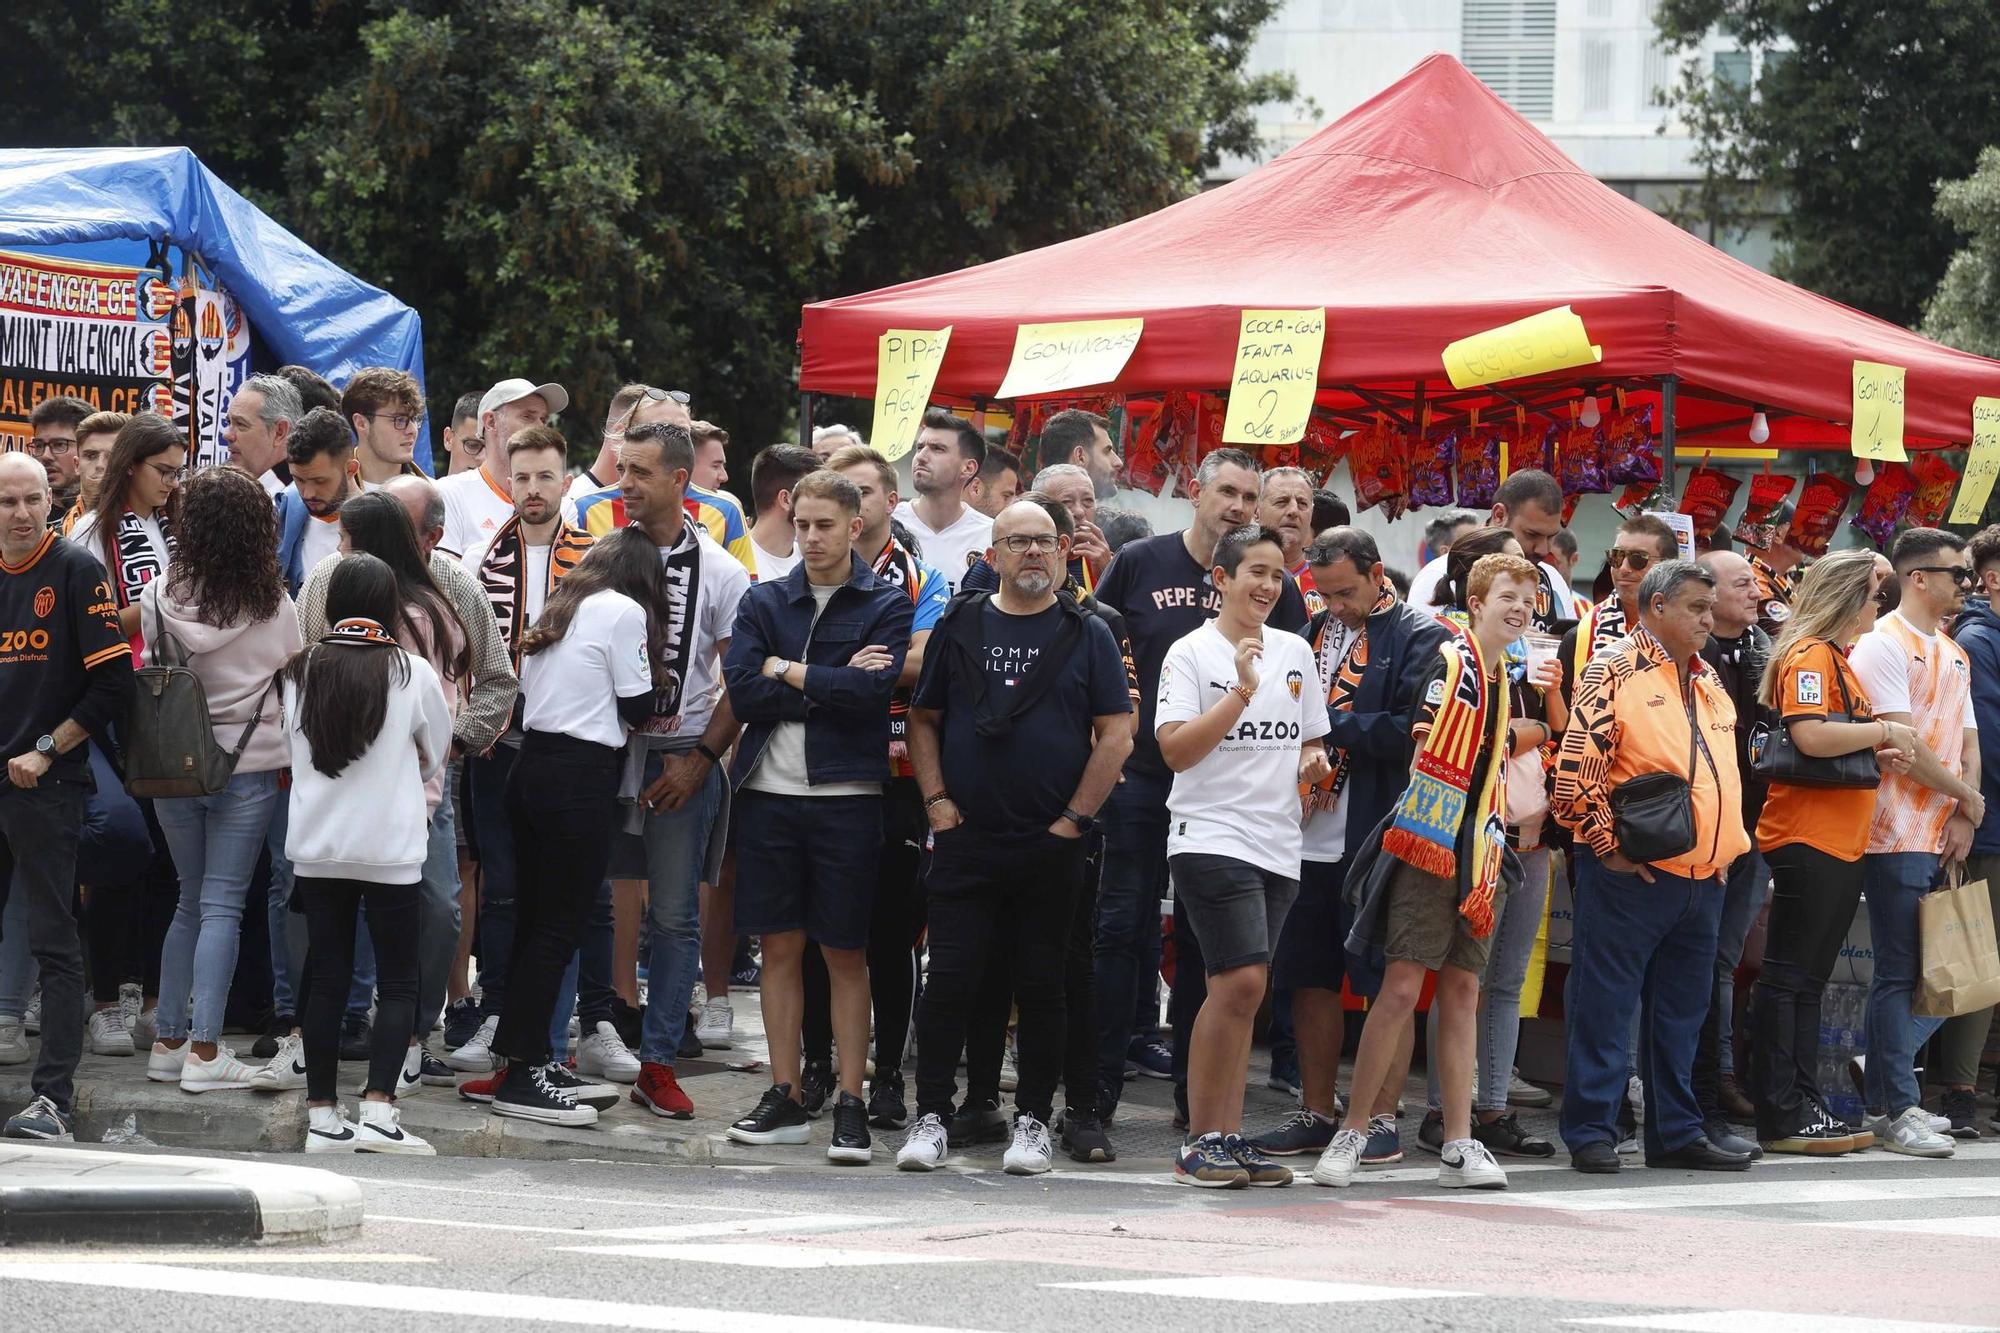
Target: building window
(1732,69)
(1598,53)
(1510,46)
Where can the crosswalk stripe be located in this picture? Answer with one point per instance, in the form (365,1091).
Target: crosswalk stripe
(1978,1228)
(1737,1194)
(754,1226)
(1260,1290)
(752,1255)
(1766,1321)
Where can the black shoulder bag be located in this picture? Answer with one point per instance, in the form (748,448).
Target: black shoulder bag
(1653,813)
(1775,757)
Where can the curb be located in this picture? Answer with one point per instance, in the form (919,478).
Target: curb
(61,1194)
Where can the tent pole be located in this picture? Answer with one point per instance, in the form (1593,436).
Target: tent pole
(805,419)
(1667,388)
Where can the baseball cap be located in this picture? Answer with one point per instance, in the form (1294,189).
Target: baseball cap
(512,391)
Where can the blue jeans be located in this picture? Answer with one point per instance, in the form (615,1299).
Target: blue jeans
(1892,883)
(215,841)
(1644,947)
(1129,890)
(676,848)
(437,916)
(1500,988)
(495,835)
(1743,894)
(288,948)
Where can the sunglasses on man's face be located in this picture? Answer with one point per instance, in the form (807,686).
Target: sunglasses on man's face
(1636,559)
(1960,575)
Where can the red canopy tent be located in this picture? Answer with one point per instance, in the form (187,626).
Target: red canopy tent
(1431,212)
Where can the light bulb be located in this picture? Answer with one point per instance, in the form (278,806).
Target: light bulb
(1760,428)
(1591,416)
(1864,473)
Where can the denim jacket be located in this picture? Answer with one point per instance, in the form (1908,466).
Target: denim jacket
(845,709)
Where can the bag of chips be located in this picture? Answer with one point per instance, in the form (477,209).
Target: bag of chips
(1629,453)
(1708,497)
(1886,503)
(1323,446)
(1536,445)
(1430,466)
(1636,498)
(1375,456)
(1569,508)
(1478,467)
(1936,480)
(1820,506)
(1583,461)
(1767,491)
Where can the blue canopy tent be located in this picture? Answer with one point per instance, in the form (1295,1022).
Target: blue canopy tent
(128,204)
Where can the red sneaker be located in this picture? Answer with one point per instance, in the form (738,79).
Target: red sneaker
(660,1092)
(481,1089)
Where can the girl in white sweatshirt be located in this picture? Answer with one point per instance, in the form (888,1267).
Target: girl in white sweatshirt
(368,729)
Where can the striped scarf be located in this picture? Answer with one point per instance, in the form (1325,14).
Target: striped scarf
(897,567)
(503,575)
(1425,828)
(1343,680)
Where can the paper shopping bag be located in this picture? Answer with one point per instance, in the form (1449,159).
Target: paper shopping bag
(1960,955)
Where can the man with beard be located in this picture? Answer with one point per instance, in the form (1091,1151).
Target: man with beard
(54,425)
(950,532)
(321,453)
(1083,439)
(476,502)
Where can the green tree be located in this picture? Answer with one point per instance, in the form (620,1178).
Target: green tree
(1964,312)
(1862,107)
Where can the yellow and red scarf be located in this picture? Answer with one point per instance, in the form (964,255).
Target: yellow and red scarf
(1343,680)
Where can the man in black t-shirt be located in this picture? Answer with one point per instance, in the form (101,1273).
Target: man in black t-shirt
(65,674)
(1162,587)
(1017,732)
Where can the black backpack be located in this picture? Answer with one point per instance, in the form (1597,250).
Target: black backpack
(170,747)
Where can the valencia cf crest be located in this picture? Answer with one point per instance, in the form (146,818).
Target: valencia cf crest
(1295,682)
(45,602)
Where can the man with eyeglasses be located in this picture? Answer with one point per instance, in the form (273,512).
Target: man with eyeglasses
(1924,819)
(462,445)
(1641,542)
(383,407)
(480,502)
(53,444)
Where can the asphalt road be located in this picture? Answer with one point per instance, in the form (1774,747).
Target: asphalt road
(1867,1243)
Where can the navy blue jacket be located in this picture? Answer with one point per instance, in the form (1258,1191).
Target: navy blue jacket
(845,709)
(1978,632)
(1402,649)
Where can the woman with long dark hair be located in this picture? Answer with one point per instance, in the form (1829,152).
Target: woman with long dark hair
(131,527)
(222,612)
(377,524)
(1813,838)
(368,729)
(586,681)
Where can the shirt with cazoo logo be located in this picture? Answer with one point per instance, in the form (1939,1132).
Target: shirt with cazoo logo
(57,621)
(1242,799)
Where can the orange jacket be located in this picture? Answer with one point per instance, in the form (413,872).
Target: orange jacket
(1631,717)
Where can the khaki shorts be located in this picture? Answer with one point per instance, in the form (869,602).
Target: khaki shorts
(1425,926)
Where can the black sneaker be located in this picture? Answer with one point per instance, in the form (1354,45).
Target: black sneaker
(776,1119)
(461,1020)
(1083,1137)
(435,1073)
(690,1047)
(978,1122)
(1301,1133)
(815,1082)
(601,1096)
(885,1102)
(1505,1138)
(355,1040)
(527,1093)
(1961,1106)
(1107,1102)
(850,1144)
(281,1027)
(1430,1134)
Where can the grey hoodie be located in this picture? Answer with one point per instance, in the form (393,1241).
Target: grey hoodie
(236,665)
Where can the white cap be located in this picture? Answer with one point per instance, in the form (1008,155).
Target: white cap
(513,391)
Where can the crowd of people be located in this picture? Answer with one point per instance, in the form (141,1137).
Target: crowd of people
(544,759)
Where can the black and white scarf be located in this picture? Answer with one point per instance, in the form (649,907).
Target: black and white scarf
(503,575)
(683,571)
(139,562)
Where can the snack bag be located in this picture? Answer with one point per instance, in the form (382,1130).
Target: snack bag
(1629,453)
(1820,506)
(1767,492)
(1886,503)
(1569,508)
(1478,467)
(1582,461)
(1935,482)
(1375,457)
(1536,446)
(1431,460)
(1709,493)
(1323,446)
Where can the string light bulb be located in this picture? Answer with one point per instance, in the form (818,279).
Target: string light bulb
(1760,427)
(1591,416)
(1864,473)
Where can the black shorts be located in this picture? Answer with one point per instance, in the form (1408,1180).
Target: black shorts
(1312,950)
(807,863)
(1236,908)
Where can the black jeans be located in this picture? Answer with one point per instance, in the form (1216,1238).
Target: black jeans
(330,907)
(1813,897)
(38,837)
(1015,904)
(1128,919)
(562,804)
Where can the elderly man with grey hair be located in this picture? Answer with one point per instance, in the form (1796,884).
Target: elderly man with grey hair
(1647,780)
(1285,505)
(258,424)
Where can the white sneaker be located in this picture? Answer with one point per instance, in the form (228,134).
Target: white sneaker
(31,1017)
(1342,1158)
(1030,1153)
(107,1034)
(1911,1134)
(1635,1093)
(1878,1125)
(476,1056)
(604,1054)
(1467,1165)
(287,1070)
(225,1073)
(146,1028)
(1010,1077)
(925,1146)
(1520,1092)
(717,1028)
(328,1131)
(408,1079)
(163,1065)
(13,1042)
(381,1130)
(131,1000)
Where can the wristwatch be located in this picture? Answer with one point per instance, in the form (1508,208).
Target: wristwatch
(1084,823)
(46,746)
(780,667)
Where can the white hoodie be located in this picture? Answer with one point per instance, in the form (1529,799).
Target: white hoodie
(371,823)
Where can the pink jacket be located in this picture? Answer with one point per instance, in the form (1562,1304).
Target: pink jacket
(236,664)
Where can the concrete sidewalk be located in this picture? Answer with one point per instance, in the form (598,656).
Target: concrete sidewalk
(52,1192)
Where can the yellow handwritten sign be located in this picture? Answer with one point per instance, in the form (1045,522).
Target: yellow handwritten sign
(1277,371)
(1878,413)
(906,366)
(1052,357)
(1552,340)
(1982,465)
